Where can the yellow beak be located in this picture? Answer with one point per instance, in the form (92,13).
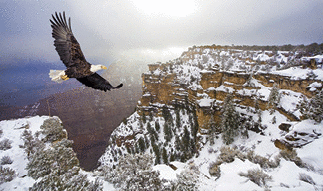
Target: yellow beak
(104,67)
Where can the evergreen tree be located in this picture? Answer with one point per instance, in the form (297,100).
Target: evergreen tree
(178,118)
(53,130)
(142,144)
(313,108)
(143,117)
(230,121)
(186,139)
(31,143)
(57,167)
(165,156)
(157,153)
(212,130)
(168,131)
(152,133)
(274,98)
(58,159)
(167,115)
(157,126)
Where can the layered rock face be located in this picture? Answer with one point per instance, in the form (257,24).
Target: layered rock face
(203,77)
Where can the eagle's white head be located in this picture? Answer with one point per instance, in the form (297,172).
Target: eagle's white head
(95,68)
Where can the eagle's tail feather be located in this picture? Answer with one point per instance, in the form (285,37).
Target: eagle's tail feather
(56,75)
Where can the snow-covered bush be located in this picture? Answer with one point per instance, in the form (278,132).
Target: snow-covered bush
(6,160)
(97,185)
(214,170)
(67,181)
(291,155)
(263,161)
(5,144)
(53,130)
(6,174)
(306,178)
(228,155)
(257,176)
(134,172)
(187,180)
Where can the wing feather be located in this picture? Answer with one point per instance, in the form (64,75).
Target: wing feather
(97,82)
(67,47)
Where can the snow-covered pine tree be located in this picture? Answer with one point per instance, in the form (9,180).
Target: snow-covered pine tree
(168,131)
(229,120)
(59,158)
(212,130)
(57,168)
(165,156)
(53,130)
(274,98)
(31,143)
(313,108)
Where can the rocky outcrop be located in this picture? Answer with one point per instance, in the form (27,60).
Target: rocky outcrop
(296,136)
(163,88)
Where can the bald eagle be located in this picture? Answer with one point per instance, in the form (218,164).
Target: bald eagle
(70,53)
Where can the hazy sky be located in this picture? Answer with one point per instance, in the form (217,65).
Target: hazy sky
(155,30)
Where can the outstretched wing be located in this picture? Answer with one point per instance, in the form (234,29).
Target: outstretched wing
(97,82)
(68,48)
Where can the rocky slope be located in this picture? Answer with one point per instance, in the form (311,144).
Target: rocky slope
(180,114)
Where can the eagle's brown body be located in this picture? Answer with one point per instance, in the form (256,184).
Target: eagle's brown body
(70,53)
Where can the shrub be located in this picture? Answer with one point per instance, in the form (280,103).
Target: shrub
(187,180)
(5,144)
(306,178)
(291,155)
(257,176)
(6,160)
(228,154)
(215,170)
(134,172)
(6,174)
(263,161)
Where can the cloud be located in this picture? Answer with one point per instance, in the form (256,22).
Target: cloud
(110,30)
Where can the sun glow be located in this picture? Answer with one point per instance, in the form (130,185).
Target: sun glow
(168,8)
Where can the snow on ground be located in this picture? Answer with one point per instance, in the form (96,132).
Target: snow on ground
(12,130)
(167,173)
(285,177)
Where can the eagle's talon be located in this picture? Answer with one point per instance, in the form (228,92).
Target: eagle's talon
(65,77)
